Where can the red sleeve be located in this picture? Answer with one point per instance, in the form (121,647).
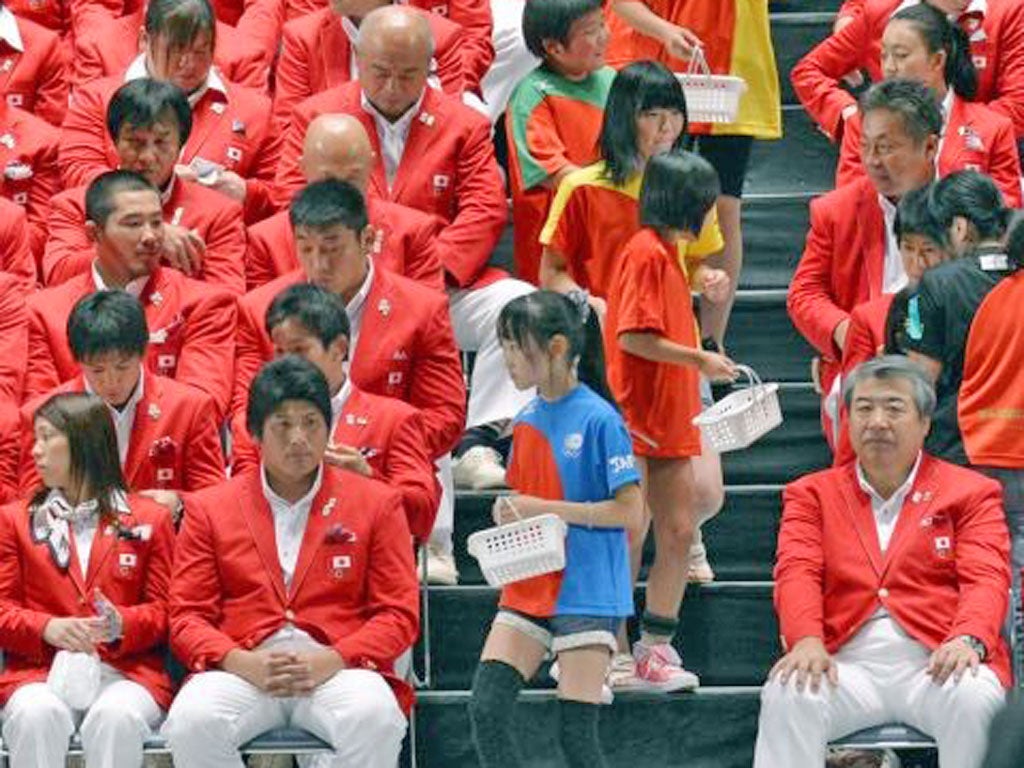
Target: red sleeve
(421,261)
(86,63)
(259,264)
(195,598)
(474,16)
(245,454)
(145,623)
(22,628)
(1004,165)
(850,8)
(224,264)
(392,599)
(816,76)
(46,184)
(289,178)
(243,64)
(13,342)
(10,451)
(208,349)
(538,145)
(292,80)
(259,185)
(982,566)
(41,374)
(800,566)
(28,478)
(466,243)
(204,461)
(809,301)
(411,472)
(438,388)
(260,25)
(14,248)
(850,167)
(52,84)
(248,356)
(639,287)
(1010,85)
(83,138)
(860,340)
(68,250)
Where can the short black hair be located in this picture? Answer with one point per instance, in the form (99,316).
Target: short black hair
(99,197)
(539,316)
(107,321)
(179,22)
(973,196)
(287,378)
(319,311)
(914,216)
(144,102)
(917,105)
(552,20)
(679,189)
(638,88)
(328,203)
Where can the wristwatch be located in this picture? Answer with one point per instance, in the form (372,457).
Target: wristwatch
(975,645)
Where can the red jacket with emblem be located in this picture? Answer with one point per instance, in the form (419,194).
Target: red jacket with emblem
(35,78)
(354,587)
(28,168)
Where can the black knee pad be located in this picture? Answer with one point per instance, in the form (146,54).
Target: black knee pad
(578,733)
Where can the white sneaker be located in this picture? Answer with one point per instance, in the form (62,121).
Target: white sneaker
(607,697)
(440,566)
(479,468)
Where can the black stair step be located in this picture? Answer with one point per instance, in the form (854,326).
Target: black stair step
(728,634)
(793,35)
(802,161)
(762,336)
(774,230)
(784,7)
(710,728)
(740,539)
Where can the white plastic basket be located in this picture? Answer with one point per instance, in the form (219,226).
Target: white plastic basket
(740,418)
(520,550)
(710,98)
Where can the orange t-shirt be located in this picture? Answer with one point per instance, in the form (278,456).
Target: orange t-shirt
(990,408)
(651,293)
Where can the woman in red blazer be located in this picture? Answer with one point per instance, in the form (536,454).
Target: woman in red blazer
(920,44)
(100,562)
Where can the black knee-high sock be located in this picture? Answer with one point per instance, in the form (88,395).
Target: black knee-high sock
(581,743)
(496,687)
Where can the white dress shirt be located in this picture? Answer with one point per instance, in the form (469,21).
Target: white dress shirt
(887,511)
(135,287)
(124,417)
(355,310)
(339,400)
(894,277)
(392,134)
(9,31)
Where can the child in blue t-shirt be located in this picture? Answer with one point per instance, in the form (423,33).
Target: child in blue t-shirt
(571,456)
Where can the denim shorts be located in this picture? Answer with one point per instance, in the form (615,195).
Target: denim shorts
(564,633)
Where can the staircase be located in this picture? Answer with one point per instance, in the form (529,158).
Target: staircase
(729,634)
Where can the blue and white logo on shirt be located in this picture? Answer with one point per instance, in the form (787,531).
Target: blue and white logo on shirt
(572,445)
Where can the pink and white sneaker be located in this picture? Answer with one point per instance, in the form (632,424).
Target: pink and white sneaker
(659,668)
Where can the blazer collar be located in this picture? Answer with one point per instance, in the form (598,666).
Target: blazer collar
(873,236)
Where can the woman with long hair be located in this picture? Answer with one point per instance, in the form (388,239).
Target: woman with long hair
(84,572)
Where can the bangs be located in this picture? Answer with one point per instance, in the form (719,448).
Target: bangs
(659,89)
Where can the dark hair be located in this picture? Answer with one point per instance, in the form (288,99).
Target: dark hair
(552,20)
(99,197)
(679,189)
(975,197)
(144,102)
(107,321)
(642,86)
(939,34)
(1015,241)
(896,322)
(85,421)
(540,316)
(328,203)
(914,102)
(914,216)
(287,378)
(180,22)
(320,312)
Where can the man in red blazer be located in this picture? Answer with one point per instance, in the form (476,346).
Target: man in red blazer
(379,437)
(994,27)
(294,591)
(149,121)
(891,585)
(167,432)
(15,255)
(28,167)
(191,324)
(232,148)
(33,74)
(337,147)
(851,254)
(318,53)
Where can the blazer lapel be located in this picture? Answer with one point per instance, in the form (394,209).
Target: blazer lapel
(212,110)
(421,133)
(857,507)
(9,58)
(321,514)
(102,546)
(380,306)
(147,414)
(953,140)
(875,238)
(75,565)
(915,506)
(259,518)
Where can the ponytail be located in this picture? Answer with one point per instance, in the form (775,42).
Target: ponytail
(974,197)
(940,34)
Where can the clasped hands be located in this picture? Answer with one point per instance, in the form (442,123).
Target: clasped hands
(284,673)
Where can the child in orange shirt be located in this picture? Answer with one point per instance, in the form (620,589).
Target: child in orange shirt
(654,360)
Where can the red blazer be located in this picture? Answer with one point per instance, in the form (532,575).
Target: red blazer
(35,79)
(54,15)
(233,131)
(13,339)
(10,451)
(132,573)
(447,169)
(976,138)
(354,588)
(256,21)
(15,254)
(841,267)
(391,437)
(406,350)
(191,333)
(110,45)
(404,244)
(945,572)
(174,444)
(997,48)
(216,218)
(315,54)
(28,168)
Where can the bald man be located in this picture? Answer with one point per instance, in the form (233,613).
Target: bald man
(337,147)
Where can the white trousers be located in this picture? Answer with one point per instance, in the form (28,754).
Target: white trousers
(512,61)
(444,523)
(38,724)
(474,315)
(354,711)
(882,679)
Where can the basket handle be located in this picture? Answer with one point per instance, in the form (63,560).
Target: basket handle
(754,381)
(507,500)
(698,63)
